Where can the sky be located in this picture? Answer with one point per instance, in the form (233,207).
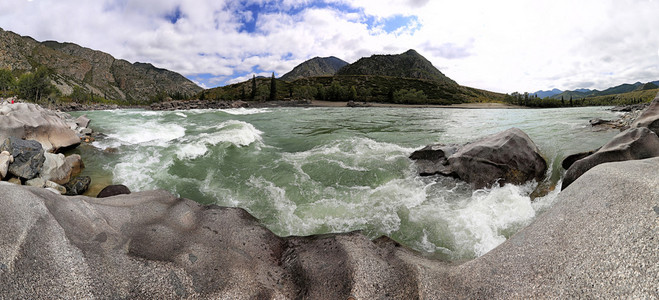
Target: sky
(502,46)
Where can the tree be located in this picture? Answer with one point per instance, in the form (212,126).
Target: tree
(242,94)
(6,80)
(571,105)
(33,86)
(253,87)
(273,88)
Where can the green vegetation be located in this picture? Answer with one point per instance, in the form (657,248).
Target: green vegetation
(633,97)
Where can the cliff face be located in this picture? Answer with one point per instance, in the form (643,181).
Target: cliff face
(94,71)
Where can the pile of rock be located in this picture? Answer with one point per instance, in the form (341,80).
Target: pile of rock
(31,139)
(506,157)
(197,104)
(630,114)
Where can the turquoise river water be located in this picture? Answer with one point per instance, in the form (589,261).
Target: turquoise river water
(305,171)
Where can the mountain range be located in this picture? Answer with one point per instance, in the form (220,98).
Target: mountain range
(399,78)
(93,71)
(583,93)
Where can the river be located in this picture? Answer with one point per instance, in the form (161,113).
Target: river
(305,171)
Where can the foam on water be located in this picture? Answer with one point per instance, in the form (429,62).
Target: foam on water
(237,133)
(244,111)
(149,132)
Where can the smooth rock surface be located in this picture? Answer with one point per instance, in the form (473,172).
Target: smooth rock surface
(32,122)
(28,157)
(634,143)
(650,117)
(599,240)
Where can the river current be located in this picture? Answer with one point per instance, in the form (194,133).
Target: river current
(305,171)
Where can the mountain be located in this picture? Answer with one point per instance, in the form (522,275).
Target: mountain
(317,66)
(92,71)
(406,78)
(544,94)
(406,65)
(619,89)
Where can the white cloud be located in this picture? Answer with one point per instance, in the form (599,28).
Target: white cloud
(512,45)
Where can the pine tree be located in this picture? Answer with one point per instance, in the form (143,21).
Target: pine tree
(273,88)
(253,87)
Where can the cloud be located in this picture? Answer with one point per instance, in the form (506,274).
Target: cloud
(508,46)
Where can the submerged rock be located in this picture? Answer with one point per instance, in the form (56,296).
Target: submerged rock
(507,157)
(632,144)
(598,241)
(28,157)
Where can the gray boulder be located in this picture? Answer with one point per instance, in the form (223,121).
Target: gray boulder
(599,240)
(650,117)
(32,122)
(28,157)
(60,169)
(507,157)
(83,121)
(635,143)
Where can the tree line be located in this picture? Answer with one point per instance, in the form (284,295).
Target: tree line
(530,100)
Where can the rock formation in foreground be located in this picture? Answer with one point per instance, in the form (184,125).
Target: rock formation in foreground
(638,142)
(598,241)
(509,156)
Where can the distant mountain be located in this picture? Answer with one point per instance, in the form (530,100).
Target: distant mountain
(92,70)
(317,66)
(406,65)
(620,89)
(544,94)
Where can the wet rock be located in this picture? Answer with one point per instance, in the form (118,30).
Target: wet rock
(32,122)
(650,117)
(597,121)
(433,159)
(78,185)
(632,144)
(28,157)
(113,190)
(507,157)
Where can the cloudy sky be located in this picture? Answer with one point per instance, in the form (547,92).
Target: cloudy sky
(502,46)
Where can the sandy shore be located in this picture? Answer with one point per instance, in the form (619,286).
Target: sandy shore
(319,103)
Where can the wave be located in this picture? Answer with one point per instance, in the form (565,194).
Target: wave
(244,111)
(237,133)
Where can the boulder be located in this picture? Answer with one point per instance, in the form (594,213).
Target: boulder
(55,187)
(77,185)
(598,241)
(433,159)
(506,157)
(60,169)
(5,160)
(36,182)
(83,121)
(32,122)
(113,190)
(632,144)
(650,117)
(28,157)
